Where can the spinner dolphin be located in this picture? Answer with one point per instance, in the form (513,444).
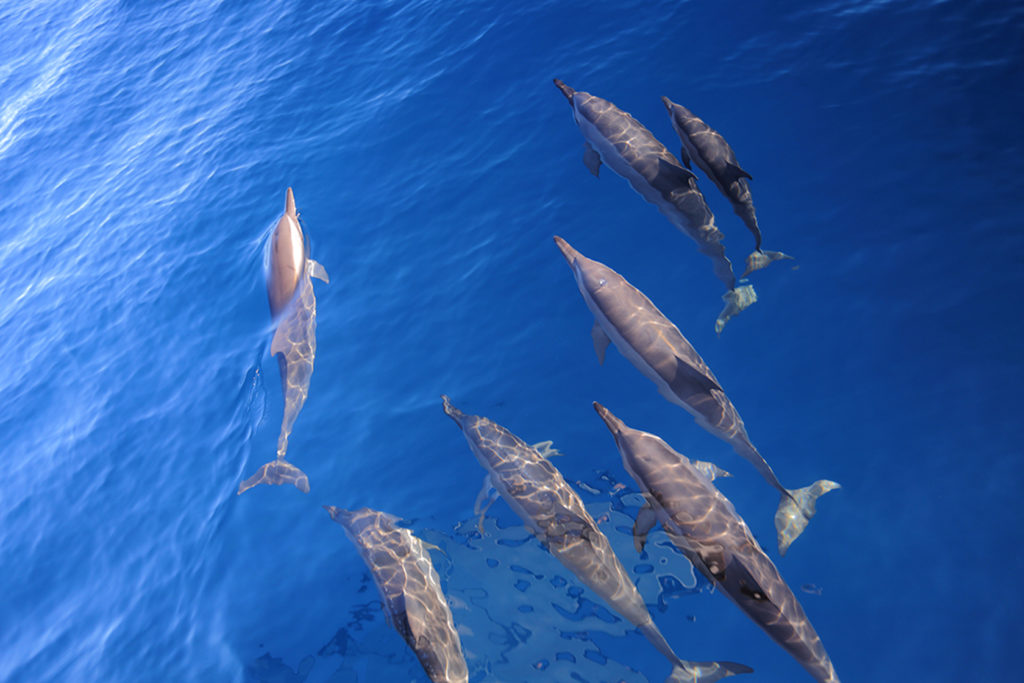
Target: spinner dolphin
(703,524)
(709,150)
(293,306)
(410,588)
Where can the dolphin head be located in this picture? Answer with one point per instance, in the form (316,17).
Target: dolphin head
(287,260)
(640,462)
(591,276)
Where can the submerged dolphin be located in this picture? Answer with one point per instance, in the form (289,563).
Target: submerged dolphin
(703,524)
(293,305)
(554,513)
(712,153)
(656,347)
(615,138)
(410,588)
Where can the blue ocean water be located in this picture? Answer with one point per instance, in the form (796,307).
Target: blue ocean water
(145,149)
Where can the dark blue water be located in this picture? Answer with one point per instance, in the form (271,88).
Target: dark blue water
(144,154)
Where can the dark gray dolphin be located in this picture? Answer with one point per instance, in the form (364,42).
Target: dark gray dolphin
(703,524)
(615,138)
(410,589)
(712,153)
(293,305)
(656,347)
(554,513)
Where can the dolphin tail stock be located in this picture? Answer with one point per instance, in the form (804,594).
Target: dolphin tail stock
(796,509)
(706,672)
(759,258)
(277,471)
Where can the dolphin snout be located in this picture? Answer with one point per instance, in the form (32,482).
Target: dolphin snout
(568,252)
(613,423)
(339,515)
(566,90)
(667,102)
(451,411)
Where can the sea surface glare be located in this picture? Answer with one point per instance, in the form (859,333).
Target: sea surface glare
(145,149)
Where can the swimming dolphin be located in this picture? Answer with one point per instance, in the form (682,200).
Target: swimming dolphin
(410,588)
(617,139)
(712,153)
(656,347)
(703,524)
(293,305)
(554,513)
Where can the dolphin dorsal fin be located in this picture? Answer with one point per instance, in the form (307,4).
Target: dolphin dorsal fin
(732,173)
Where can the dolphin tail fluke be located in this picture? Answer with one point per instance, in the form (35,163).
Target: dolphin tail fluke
(277,471)
(706,672)
(758,259)
(736,301)
(796,509)
(682,670)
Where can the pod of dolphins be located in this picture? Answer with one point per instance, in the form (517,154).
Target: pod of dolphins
(678,493)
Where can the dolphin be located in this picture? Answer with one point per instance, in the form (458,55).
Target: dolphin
(554,513)
(293,306)
(709,150)
(656,347)
(703,524)
(615,138)
(410,588)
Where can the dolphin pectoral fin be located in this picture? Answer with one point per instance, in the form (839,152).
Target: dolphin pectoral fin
(601,341)
(591,159)
(318,271)
(488,494)
(706,672)
(759,259)
(736,301)
(645,521)
(546,449)
(732,173)
(277,471)
(796,509)
(280,343)
(431,546)
(709,469)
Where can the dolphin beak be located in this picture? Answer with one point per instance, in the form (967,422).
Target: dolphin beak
(289,203)
(668,104)
(566,90)
(337,514)
(613,423)
(451,411)
(568,252)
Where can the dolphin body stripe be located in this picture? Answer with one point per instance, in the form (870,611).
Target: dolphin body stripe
(656,347)
(554,513)
(410,589)
(704,525)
